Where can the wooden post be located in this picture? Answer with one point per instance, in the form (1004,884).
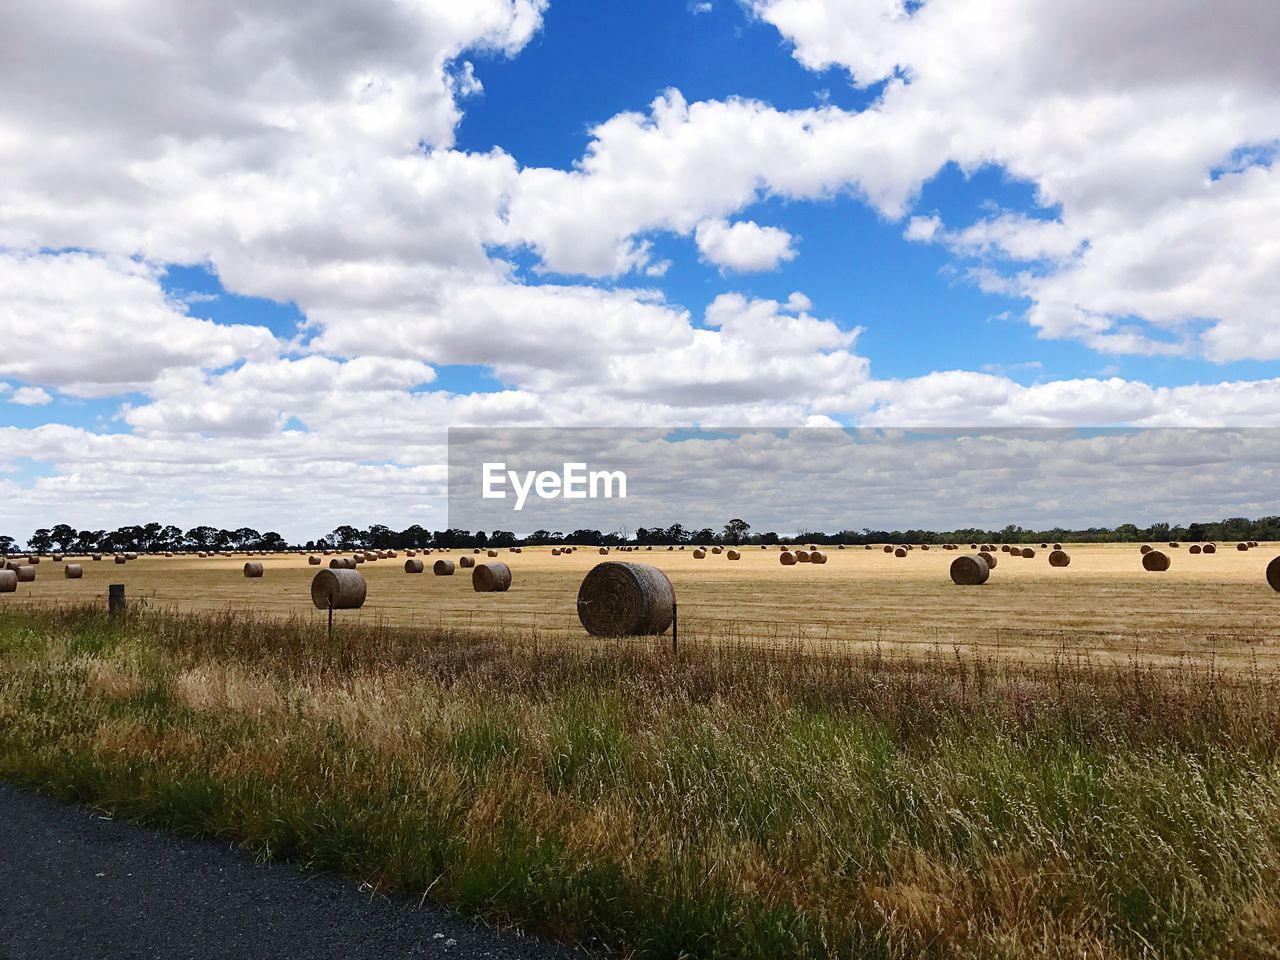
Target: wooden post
(115,599)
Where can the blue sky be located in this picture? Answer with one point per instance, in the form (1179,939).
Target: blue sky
(577,213)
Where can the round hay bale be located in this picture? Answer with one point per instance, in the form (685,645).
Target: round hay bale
(555,551)
(900,552)
(131,556)
(699,554)
(802,556)
(1242,547)
(253,570)
(787,558)
(1028,553)
(411,553)
(413,565)
(1004,548)
(342,589)
(466,563)
(971,570)
(1044,546)
(817,556)
(888,548)
(1057,546)
(120,559)
(924,546)
(342,563)
(1172,544)
(1210,548)
(1155,561)
(493,553)
(717,550)
(442,568)
(8,581)
(96,557)
(359,558)
(491,578)
(974,546)
(626,600)
(866,546)
(57,557)
(732,555)
(34,559)
(73,571)
(1273,574)
(991,557)
(1059,558)
(1195,548)
(313,561)
(1145,549)
(603,551)
(26,573)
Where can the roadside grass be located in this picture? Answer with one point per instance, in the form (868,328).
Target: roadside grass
(723,802)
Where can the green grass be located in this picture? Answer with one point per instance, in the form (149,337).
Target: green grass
(722,803)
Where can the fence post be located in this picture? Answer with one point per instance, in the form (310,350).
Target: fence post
(115,599)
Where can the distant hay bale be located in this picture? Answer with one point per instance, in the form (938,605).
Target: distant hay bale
(1045,546)
(924,546)
(491,578)
(328,553)
(73,571)
(411,553)
(817,556)
(413,565)
(1028,553)
(343,589)
(888,548)
(8,581)
(360,558)
(131,556)
(342,563)
(1145,549)
(626,600)
(802,556)
(699,554)
(991,557)
(57,557)
(96,556)
(1004,548)
(787,558)
(555,551)
(717,550)
(603,551)
(120,559)
(732,555)
(1057,546)
(974,546)
(971,570)
(466,563)
(313,560)
(34,559)
(253,570)
(1210,548)
(1195,548)
(1273,574)
(442,568)
(1155,561)
(900,552)
(1172,544)
(26,573)
(1242,547)
(866,546)
(493,553)
(839,546)
(476,550)
(1059,558)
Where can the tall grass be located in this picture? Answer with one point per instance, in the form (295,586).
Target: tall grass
(724,802)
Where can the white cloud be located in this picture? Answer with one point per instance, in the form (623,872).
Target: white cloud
(30,397)
(743,246)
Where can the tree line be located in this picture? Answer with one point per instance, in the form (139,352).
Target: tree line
(157,537)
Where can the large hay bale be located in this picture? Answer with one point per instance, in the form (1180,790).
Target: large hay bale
(1004,548)
(253,570)
(492,553)
(34,559)
(342,589)
(1195,548)
(491,578)
(1155,561)
(626,600)
(411,553)
(1273,574)
(442,568)
(802,556)
(699,554)
(1210,548)
(8,581)
(1059,558)
(900,552)
(971,570)
(732,555)
(26,573)
(888,548)
(466,563)
(991,557)
(555,551)
(73,571)
(1028,553)
(817,556)
(413,565)
(787,558)
(313,561)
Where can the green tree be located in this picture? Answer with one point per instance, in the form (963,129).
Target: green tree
(735,531)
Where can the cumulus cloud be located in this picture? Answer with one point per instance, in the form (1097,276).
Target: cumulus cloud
(30,397)
(743,246)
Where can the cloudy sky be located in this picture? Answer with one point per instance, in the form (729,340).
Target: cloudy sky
(255,258)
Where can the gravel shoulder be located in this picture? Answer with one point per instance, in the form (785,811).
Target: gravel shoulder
(78,884)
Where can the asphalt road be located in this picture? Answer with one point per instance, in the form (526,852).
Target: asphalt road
(76,884)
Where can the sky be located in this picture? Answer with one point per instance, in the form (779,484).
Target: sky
(257,258)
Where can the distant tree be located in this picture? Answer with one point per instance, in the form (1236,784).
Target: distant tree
(540,536)
(705,535)
(40,541)
(170,538)
(272,541)
(346,537)
(201,537)
(588,538)
(63,535)
(735,531)
(7,544)
(502,538)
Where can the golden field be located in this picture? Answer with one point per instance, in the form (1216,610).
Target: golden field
(1104,605)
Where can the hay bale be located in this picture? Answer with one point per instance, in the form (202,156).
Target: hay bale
(787,558)
(466,563)
(1242,547)
(626,600)
(8,581)
(817,556)
(57,557)
(1195,548)
(1210,548)
(342,563)
(991,557)
(555,551)
(1028,553)
(802,556)
(493,553)
(73,571)
(253,570)
(413,565)
(866,546)
(313,561)
(442,568)
(1044,546)
(342,589)
(34,559)
(924,546)
(359,558)
(1172,544)
(974,546)
(717,550)
(699,554)
(120,559)
(491,578)
(888,548)
(1145,549)
(900,552)
(971,570)
(131,556)
(732,555)
(1004,548)
(1059,558)
(1273,574)
(96,557)
(26,573)
(1155,561)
